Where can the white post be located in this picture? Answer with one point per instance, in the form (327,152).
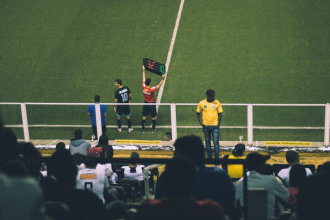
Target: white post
(98,120)
(25,123)
(173,122)
(250,124)
(327,125)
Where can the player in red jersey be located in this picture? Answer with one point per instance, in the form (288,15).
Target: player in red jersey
(148,93)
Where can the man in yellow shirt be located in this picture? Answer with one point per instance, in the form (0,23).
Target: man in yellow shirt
(212,115)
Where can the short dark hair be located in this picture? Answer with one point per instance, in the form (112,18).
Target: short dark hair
(63,167)
(292,156)
(210,93)
(91,160)
(191,146)
(297,175)
(148,81)
(118,81)
(103,140)
(60,146)
(179,177)
(169,135)
(97,98)
(78,134)
(135,156)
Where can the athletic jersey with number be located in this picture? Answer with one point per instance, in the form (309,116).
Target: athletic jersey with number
(148,92)
(93,180)
(210,111)
(122,94)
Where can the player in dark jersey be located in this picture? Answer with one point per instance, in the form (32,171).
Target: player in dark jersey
(148,93)
(122,95)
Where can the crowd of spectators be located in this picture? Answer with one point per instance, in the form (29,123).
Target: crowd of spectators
(73,185)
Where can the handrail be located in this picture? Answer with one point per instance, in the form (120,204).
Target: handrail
(146,179)
(174,126)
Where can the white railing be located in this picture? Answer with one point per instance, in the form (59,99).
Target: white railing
(173,116)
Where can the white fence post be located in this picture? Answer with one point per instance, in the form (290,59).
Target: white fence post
(173,122)
(326,124)
(250,124)
(98,120)
(25,122)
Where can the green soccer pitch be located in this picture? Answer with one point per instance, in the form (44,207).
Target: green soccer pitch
(271,52)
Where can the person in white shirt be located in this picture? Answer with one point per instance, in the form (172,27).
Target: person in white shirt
(92,178)
(275,190)
(133,170)
(292,157)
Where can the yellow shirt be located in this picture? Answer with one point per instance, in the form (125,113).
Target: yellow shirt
(235,170)
(210,111)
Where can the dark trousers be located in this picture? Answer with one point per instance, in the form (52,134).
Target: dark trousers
(104,130)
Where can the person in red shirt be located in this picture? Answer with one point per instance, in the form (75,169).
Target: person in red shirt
(148,93)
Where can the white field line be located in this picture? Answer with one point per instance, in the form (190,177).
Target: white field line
(165,126)
(169,55)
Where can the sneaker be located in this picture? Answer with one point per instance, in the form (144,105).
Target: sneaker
(130,130)
(119,129)
(153,130)
(143,131)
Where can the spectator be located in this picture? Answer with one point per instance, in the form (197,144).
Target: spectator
(117,210)
(21,198)
(79,145)
(134,170)
(33,160)
(275,190)
(297,177)
(292,157)
(9,149)
(91,112)
(235,171)
(60,146)
(14,168)
(179,180)
(313,202)
(92,179)
(211,182)
(168,136)
(82,204)
(108,154)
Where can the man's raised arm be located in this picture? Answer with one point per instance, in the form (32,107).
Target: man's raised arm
(143,74)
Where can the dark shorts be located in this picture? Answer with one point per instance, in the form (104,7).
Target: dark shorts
(123,109)
(149,109)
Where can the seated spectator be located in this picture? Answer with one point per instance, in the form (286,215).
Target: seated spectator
(313,202)
(79,145)
(235,171)
(14,168)
(211,182)
(168,136)
(297,177)
(60,186)
(60,146)
(9,149)
(292,157)
(33,160)
(20,198)
(117,210)
(92,179)
(179,180)
(133,170)
(275,190)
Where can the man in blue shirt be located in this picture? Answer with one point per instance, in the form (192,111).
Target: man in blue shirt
(91,112)
(211,182)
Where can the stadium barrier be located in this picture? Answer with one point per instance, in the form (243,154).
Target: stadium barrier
(173,115)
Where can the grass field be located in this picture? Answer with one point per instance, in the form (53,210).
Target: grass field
(248,52)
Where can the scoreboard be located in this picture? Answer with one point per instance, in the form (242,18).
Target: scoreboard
(154,66)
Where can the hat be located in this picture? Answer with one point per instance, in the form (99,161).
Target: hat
(238,150)
(254,160)
(94,150)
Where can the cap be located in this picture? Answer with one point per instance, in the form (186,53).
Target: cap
(239,149)
(254,160)
(94,150)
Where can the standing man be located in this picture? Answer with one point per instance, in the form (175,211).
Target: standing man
(123,95)
(91,112)
(212,115)
(148,93)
